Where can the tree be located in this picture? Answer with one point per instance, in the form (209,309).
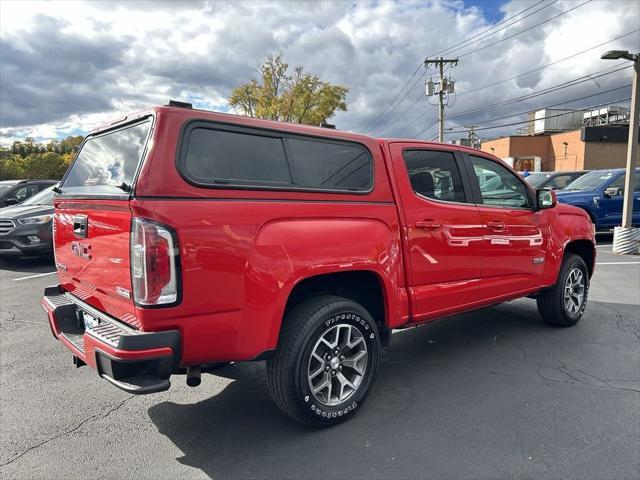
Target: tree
(299,98)
(27,159)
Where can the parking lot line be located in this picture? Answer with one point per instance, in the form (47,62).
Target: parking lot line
(618,263)
(33,276)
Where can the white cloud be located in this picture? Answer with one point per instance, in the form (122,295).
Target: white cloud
(69,66)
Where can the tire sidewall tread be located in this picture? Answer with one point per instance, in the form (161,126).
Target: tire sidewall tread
(287,369)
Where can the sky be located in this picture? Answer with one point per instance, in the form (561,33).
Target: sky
(68,67)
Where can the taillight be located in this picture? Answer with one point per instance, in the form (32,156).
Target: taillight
(154,255)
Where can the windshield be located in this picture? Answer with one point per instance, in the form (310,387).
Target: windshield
(591,180)
(107,163)
(537,179)
(45,197)
(5,188)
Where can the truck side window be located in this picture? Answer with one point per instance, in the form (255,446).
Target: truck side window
(217,155)
(434,174)
(321,164)
(499,187)
(619,182)
(560,181)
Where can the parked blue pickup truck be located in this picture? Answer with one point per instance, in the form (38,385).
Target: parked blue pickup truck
(600,193)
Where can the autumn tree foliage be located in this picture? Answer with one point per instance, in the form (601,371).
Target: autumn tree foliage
(297,97)
(32,160)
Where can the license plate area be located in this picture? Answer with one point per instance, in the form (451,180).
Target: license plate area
(89,321)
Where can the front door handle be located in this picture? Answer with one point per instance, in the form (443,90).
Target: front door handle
(496,225)
(428,224)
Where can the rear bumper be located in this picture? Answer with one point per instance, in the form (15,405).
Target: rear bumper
(134,361)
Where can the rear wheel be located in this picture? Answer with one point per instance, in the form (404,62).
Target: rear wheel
(563,304)
(326,361)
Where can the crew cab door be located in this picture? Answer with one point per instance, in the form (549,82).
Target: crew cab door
(443,231)
(612,200)
(514,246)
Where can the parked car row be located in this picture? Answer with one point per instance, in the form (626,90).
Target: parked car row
(26,228)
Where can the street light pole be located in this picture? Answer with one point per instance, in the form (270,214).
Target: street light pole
(632,147)
(625,239)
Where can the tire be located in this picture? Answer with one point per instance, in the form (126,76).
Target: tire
(565,311)
(311,332)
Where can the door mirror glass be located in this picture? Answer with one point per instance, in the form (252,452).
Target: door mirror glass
(546,199)
(11,201)
(613,192)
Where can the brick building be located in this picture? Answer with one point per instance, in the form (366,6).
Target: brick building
(587,148)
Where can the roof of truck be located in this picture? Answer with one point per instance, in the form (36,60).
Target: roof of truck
(273,125)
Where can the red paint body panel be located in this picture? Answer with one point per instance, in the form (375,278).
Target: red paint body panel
(242,251)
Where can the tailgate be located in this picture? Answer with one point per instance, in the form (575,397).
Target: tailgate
(92,254)
(92,220)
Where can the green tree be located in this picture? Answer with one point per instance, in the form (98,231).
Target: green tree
(28,159)
(300,97)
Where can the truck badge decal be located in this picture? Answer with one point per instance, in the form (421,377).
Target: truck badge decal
(538,260)
(123,292)
(81,250)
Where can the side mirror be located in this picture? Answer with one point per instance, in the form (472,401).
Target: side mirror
(11,201)
(546,199)
(612,192)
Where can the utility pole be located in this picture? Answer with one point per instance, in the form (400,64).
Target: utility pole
(624,237)
(443,88)
(474,141)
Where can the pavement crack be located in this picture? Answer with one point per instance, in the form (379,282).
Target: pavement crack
(68,432)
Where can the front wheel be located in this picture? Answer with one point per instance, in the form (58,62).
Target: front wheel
(563,304)
(326,361)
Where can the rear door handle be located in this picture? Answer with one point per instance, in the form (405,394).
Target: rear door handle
(495,225)
(428,224)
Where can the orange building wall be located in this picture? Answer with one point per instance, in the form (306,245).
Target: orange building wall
(570,159)
(519,146)
(578,155)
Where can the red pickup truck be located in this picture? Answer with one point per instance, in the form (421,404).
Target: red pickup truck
(185,239)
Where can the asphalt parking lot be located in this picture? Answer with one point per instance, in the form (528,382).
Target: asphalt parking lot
(490,394)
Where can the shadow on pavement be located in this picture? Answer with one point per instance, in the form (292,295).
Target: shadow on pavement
(27,264)
(447,403)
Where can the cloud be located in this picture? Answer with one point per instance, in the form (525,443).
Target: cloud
(68,66)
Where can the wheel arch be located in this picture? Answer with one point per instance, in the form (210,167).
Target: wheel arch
(584,249)
(364,287)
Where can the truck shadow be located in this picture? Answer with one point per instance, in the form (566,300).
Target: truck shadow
(40,264)
(439,388)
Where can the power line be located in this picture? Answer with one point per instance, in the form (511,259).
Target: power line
(371,125)
(525,30)
(550,116)
(390,122)
(554,88)
(427,129)
(548,64)
(419,77)
(562,103)
(462,45)
(524,97)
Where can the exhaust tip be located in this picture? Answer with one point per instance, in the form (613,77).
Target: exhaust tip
(193,376)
